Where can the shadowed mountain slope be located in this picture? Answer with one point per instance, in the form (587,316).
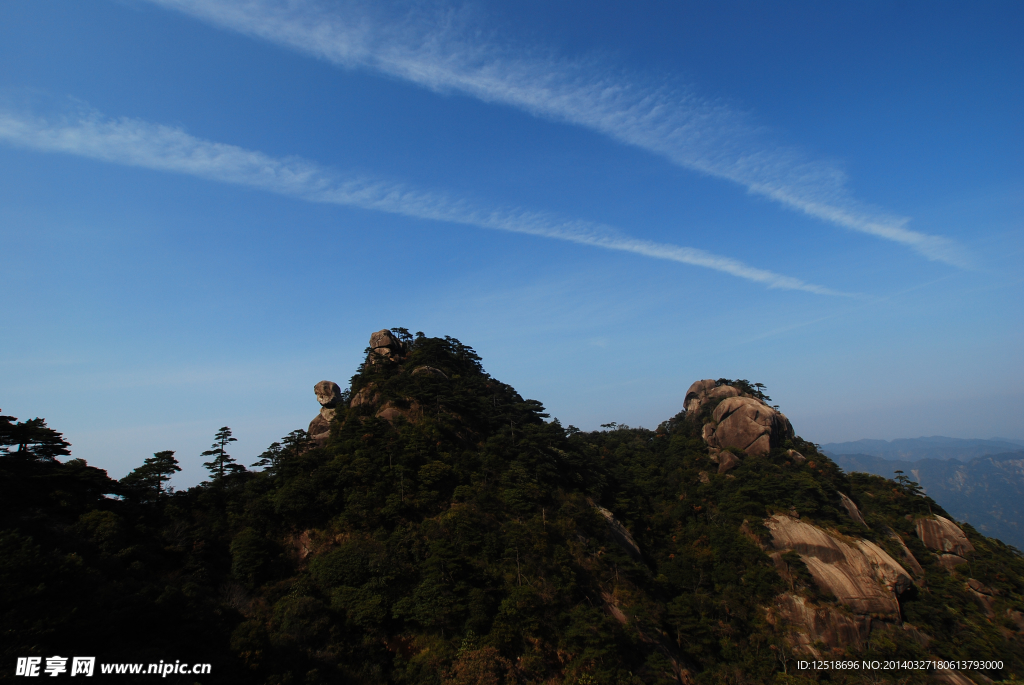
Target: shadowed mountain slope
(433,526)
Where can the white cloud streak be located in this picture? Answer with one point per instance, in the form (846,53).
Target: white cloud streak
(152,146)
(690,131)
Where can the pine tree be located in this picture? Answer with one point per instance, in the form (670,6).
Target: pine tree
(270,458)
(164,465)
(33,439)
(6,432)
(907,485)
(154,472)
(294,443)
(222,463)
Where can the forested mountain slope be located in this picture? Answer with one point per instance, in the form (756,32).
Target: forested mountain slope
(986,491)
(432,526)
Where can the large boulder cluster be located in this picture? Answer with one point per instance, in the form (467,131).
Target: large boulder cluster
(384,345)
(739,421)
(705,391)
(747,424)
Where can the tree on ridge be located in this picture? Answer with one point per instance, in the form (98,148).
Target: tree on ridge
(222,463)
(154,472)
(33,438)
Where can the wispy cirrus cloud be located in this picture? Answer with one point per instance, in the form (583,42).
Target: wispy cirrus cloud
(153,146)
(432,51)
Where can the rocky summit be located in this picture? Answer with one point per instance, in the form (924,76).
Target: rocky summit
(433,526)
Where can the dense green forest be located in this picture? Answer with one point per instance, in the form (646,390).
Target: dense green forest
(445,530)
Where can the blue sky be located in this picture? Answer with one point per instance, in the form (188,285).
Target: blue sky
(207,206)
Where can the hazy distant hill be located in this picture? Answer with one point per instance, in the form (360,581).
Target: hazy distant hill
(987,492)
(935,447)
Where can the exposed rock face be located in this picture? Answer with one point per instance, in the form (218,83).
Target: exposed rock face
(319,428)
(859,573)
(983,595)
(392,410)
(747,424)
(429,371)
(942,535)
(952,678)
(796,456)
(327,393)
(682,674)
(619,533)
(980,587)
(613,609)
(916,635)
(886,569)
(708,432)
(701,392)
(810,624)
(950,561)
(727,461)
(852,510)
(384,343)
(367,395)
(908,558)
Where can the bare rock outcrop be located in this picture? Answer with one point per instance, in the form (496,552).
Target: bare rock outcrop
(852,510)
(727,461)
(747,424)
(328,394)
(702,392)
(909,560)
(951,678)
(981,588)
(618,532)
(429,371)
(385,344)
(739,420)
(808,624)
(319,428)
(983,595)
(409,410)
(389,410)
(367,395)
(951,561)
(860,574)
(942,535)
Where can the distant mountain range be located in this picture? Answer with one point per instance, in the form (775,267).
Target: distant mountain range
(987,491)
(935,447)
